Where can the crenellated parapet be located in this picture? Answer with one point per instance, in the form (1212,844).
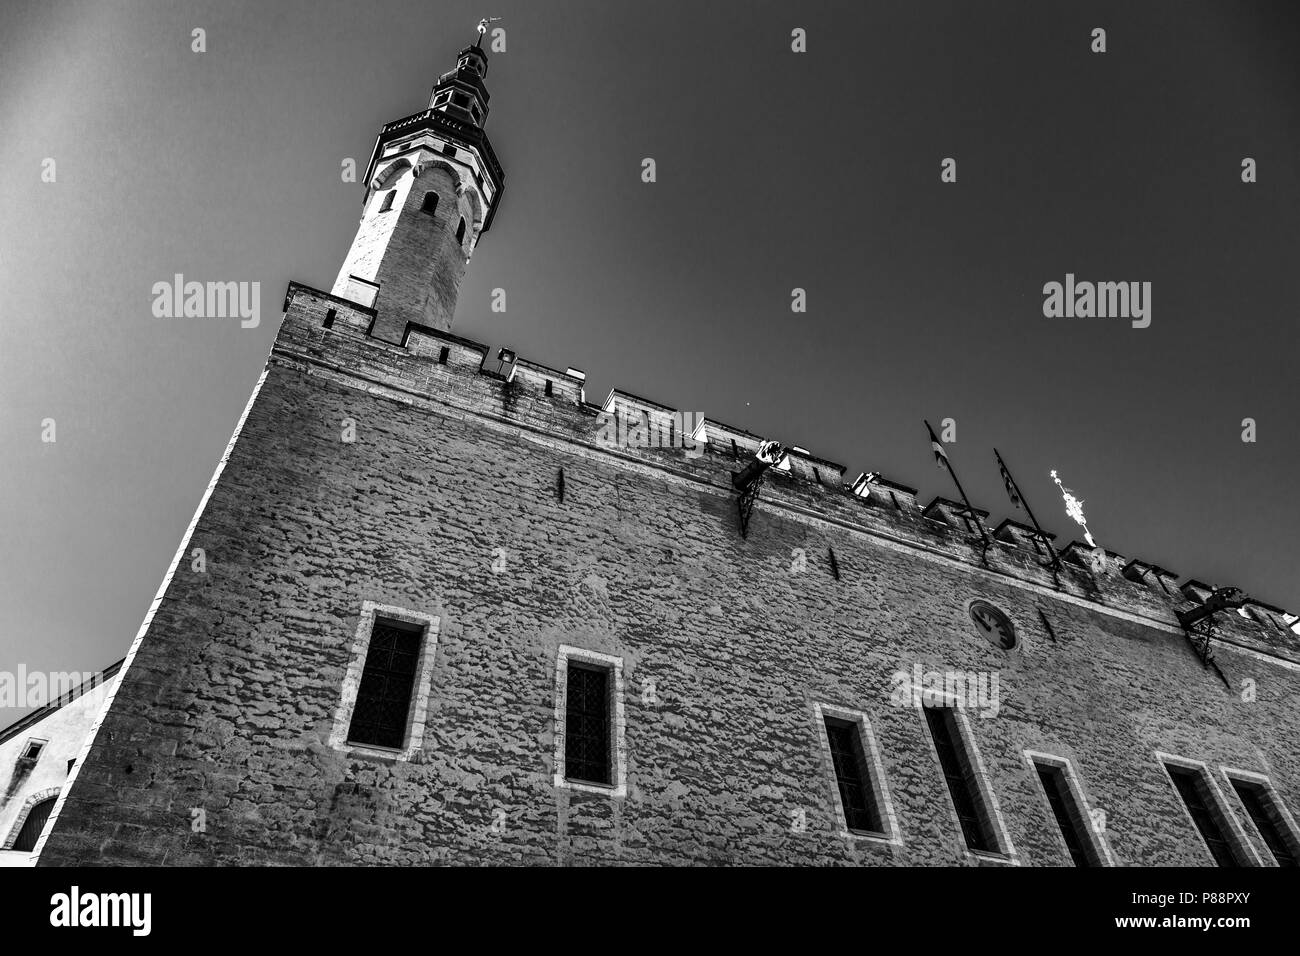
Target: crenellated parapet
(330,335)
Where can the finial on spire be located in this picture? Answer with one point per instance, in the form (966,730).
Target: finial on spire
(482,28)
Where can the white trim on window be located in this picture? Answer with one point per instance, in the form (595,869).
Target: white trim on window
(1096,838)
(1242,849)
(986,798)
(875,770)
(618,741)
(1289,831)
(419,710)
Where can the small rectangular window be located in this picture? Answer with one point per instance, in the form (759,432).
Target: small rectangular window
(384,697)
(1071,817)
(548,386)
(383,706)
(959,773)
(460,231)
(387,204)
(329,318)
(851,776)
(586,725)
(430,204)
(32,751)
(589,739)
(1201,805)
(442,355)
(1265,812)
(449,150)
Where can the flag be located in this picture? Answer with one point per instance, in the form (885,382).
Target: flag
(1074,509)
(1013,492)
(941,459)
(940,456)
(1006,480)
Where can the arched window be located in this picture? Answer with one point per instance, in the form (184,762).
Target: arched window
(33,825)
(388,200)
(460,231)
(430,204)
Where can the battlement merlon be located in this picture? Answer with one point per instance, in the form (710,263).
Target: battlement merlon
(447,369)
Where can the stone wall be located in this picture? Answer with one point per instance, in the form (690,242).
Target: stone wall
(446,504)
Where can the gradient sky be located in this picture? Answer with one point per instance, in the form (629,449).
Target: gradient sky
(775,170)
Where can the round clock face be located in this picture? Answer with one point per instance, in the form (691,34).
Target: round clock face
(993,625)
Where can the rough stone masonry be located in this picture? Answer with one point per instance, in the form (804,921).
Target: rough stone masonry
(383,464)
(229,701)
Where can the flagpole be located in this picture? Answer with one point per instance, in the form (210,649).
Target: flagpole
(940,453)
(1056,561)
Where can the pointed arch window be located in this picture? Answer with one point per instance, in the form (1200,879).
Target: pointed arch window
(460,231)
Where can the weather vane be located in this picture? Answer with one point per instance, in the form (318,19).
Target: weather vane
(1074,509)
(483,24)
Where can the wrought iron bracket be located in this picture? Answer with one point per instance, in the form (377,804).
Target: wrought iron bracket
(1199,635)
(745,504)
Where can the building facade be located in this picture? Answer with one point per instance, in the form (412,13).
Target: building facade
(37,755)
(452,612)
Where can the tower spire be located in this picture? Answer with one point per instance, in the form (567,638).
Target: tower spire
(431,188)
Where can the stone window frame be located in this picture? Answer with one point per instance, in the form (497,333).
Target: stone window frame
(28,804)
(417,717)
(618,735)
(988,799)
(1074,783)
(875,768)
(1284,821)
(26,755)
(1243,850)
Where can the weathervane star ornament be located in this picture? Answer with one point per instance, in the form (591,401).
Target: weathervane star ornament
(1074,509)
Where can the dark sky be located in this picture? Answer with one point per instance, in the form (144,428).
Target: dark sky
(775,170)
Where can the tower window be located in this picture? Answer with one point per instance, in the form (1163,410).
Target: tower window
(589,740)
(384,703)
(461,100)
(384,697)
(586,737)
(959,773)
(852,779)
(430,204)
(442,355)
(460,231)
(850,775)
(548,386)
(1070,814)
(474,112)
(329,318)
(1194,788)
(1266,812)
(387,204)
(449,150)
